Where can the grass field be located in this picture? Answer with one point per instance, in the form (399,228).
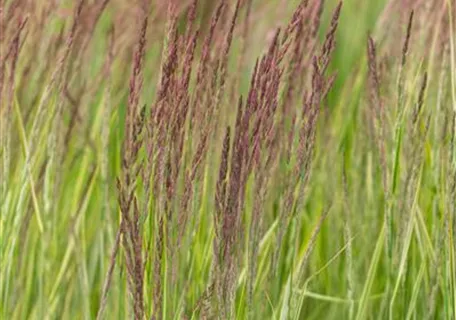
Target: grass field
(251,159)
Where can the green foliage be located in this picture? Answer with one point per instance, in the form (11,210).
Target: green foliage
(361,227)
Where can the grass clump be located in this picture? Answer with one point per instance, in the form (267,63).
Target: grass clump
(227,159)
